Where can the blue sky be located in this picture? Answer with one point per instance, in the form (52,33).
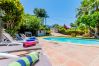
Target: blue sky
(59,11)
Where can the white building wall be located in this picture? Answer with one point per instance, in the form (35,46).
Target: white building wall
(41,33)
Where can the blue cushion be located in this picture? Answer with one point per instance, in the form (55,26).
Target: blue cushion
(30,40)
(22,62)
(30,59)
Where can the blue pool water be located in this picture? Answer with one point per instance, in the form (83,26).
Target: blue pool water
(73,40)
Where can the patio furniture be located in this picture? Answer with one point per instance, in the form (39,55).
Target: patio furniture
(28,34)
(29,44)
(43,59)
(6,55)
(40,60)
(28,60)
(18,37)
(24,38)
(8,40)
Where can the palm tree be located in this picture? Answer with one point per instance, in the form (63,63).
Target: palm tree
(84,11)
(95,8)
(89,7)
(41,13)
(46,18)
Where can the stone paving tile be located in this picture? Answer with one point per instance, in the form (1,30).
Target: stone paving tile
(73,63)
(71,55)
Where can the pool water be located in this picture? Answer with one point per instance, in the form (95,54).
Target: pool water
(73,40)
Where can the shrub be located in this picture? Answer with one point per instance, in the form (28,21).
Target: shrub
(11,32)
(73,34)
(62,30)
(48,32)
(70,32)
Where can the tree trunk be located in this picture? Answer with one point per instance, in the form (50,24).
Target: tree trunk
(97,24)
(89,31)
(0,34)
(97,31)
(42,21)
(1,29)
(45,21)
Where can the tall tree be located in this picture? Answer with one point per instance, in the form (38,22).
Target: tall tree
(88,15)
(95,10)
(72,25)
(83,9)
(13,13)
(30,23)
(83,13)
(41,13)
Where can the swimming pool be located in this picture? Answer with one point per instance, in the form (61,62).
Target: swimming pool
(73,40)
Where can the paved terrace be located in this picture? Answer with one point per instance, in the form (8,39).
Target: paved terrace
(20,51)
(64,54)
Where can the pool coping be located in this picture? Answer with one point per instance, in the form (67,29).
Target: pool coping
(88,45)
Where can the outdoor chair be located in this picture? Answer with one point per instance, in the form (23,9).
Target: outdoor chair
(32,59)
(9,41)
(23,38)
(28,60)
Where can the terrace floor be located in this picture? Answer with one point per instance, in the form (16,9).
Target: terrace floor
(65,54)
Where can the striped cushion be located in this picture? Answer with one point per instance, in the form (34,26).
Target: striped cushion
(26,61)
(15,64)
(30,59)
(21,62)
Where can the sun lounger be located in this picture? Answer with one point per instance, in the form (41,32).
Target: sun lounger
(36,60)
(8,40)
(25,37)
(22,38)
(6,55)
(18,37)
(28,60)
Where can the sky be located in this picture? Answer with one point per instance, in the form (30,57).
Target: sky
(59,11)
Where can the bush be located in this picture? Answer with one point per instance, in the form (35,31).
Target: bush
(62,30)
(48,32)
(71,32)
(11,32)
